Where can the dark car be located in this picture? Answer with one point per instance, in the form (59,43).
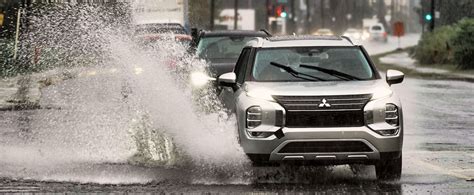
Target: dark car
(222,48)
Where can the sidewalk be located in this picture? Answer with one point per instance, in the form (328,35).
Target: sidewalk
(24,91)
(403,60)
(375,48)
(18,93)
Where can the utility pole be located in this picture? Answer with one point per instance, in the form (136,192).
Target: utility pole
(423,23)
(17,33)
(186,14)
(433,15)
(322,6)
(292,18)
(213,8)
(267,18)
(236,13)
(308,18)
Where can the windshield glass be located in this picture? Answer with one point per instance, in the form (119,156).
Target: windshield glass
(221,47)
(346,60)
(376,28)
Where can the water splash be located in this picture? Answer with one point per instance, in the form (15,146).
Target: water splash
(124,106)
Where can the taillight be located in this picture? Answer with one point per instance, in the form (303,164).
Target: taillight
(254,117)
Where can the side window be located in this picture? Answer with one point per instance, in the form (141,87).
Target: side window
(241,65)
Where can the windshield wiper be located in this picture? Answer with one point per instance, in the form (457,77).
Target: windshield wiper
(334,73)
(295,73)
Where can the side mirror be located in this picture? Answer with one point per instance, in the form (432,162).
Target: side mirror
(394,77)
(227,79)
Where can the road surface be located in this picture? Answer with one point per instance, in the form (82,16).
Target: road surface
(83,141)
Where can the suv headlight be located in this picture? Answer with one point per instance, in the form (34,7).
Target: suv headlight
(199,79)
(384,118)
(254,117)
(391,115)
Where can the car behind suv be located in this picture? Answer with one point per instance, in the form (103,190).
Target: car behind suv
(315,100)
(222,48)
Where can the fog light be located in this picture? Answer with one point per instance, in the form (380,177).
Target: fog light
(260,134)
(254,117)
(388,132)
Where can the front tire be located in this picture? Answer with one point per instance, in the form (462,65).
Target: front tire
(389,169)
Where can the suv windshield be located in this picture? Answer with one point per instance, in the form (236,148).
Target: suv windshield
(221,47)
(316,62)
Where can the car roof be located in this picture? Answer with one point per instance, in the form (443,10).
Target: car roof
(300,41)
(159,25)
(230,33)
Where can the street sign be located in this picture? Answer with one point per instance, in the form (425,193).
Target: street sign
(398,29)
(437,14)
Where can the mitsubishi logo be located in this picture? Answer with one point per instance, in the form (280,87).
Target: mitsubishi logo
(324,104)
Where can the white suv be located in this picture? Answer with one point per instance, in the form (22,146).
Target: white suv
(315,100)
(377,33)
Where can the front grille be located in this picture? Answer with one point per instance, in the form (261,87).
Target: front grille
(326,147)
(324,111)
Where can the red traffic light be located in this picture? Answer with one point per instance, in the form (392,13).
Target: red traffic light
(280,11)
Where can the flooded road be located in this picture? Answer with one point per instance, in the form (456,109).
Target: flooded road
(123,124)
(84,144)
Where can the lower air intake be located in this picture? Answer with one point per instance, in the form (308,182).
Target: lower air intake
(326,147)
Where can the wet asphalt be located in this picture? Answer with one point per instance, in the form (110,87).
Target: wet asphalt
(438,151)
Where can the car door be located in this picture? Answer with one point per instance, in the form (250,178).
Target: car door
(228,94)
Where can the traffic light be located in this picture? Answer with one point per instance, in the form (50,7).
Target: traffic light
(428,17)
(280,11)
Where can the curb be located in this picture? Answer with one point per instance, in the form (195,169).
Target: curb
(414,71)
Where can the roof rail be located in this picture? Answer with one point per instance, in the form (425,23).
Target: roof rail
(348,39)
(266,32)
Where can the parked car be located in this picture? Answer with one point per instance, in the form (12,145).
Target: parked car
(377,33)
(221,49)
(323,32)
(315,100)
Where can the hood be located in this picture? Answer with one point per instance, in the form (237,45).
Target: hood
(221,66)
(319,88)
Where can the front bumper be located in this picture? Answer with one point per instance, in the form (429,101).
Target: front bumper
(271,146)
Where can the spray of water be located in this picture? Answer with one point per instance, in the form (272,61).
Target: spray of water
(206,140)
(125,106)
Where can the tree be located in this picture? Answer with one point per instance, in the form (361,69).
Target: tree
(381,13)
(464,9)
